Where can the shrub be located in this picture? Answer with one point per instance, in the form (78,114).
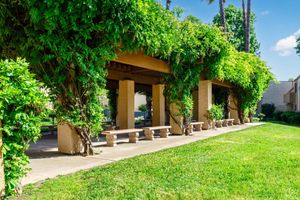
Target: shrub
(261,116)
(291,117)
(286,116)
(216,112)
(22,108)
(277,115)
(143,108)
(295,119)
(268,109)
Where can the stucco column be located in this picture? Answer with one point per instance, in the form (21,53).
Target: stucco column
(195,104)
(176,120)
(233,110)
(126,104)
(2,177)
(158,105)
(204,101)
(68,140)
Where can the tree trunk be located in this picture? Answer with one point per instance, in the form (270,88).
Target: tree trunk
(246,24)
(222,15)
(86,141)
(168,3)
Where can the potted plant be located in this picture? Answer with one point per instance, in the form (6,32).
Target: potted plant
(215,115)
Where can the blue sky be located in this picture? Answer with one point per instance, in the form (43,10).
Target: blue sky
(277,26)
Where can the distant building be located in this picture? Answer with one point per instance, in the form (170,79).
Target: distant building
(292,97)
(275,94)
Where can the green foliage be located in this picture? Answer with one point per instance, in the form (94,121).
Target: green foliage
(268,109)
(216,112)
(277,115)
(298,47)
(69,44)
(290,117)
(235,30)
(248,74)
(22,107)
(142,108)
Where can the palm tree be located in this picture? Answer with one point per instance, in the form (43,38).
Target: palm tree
(168,3)
(222,13)
(246,24)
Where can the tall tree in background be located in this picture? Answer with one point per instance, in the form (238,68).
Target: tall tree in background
(246,24)
(298,46)
(235,29)
(222,13)
(168,3)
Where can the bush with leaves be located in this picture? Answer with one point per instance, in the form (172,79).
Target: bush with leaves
(215,113)
(268,109)
(22,108)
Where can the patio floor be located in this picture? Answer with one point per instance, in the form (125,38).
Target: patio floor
(46,162)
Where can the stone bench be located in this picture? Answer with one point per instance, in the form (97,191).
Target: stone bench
(163,131)
(228,122)
(195,125)
(111,136)
(221,123)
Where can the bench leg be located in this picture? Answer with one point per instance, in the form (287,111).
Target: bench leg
(164,133)
(149,134)
(225,123)
(198,127)
(111,140)
(191,128)
(133,137)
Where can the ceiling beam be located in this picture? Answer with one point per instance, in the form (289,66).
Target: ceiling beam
(140,60)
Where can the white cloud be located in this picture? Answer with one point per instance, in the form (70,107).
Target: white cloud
(265,12)
(285,46)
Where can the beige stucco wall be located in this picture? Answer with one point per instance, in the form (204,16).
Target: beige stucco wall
(275,94)
(138,100)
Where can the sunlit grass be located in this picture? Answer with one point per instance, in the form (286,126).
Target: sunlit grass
(257,163)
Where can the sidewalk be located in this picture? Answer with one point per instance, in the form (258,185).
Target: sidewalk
(46,162)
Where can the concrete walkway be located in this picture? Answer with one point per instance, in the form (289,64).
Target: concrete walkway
(46,162)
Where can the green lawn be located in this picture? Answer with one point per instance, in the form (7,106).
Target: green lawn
(257,163)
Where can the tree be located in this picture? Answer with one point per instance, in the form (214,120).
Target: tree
(298,46)
(246,24)
(222,13)
(62,41)
(235,30)
(168,3)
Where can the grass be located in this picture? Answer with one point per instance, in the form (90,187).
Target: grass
(257,163)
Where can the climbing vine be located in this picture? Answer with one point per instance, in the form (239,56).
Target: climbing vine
(69,43)
(22,108)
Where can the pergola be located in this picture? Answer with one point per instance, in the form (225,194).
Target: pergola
(135,70)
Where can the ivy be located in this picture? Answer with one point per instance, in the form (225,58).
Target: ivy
(22,107)
(70,43)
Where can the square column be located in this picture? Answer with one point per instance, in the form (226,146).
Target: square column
(204,101)
(68,140)
(233,110)
(158,105)
(126,104)
(175,127)
(2,177)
